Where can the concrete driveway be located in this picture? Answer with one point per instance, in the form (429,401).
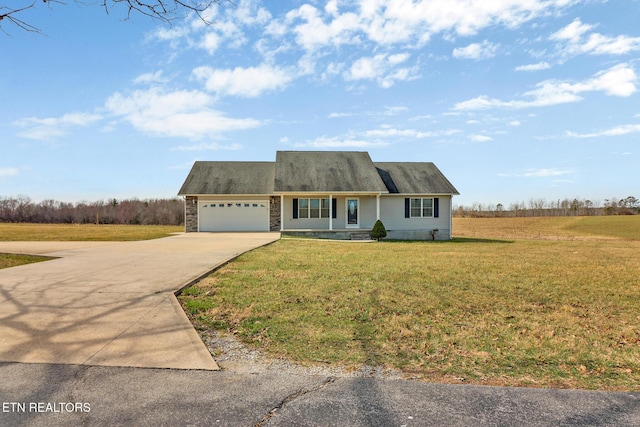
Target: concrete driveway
(111,303)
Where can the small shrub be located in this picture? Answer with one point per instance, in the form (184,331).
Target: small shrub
(378,231)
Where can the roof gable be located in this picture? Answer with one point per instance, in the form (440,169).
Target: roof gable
(414,178)
(326,171)
(229,178)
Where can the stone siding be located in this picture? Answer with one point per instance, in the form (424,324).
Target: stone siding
(191,214)
(274,214)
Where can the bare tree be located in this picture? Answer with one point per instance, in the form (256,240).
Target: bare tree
(162,10)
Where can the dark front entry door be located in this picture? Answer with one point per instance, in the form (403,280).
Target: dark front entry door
(352,212)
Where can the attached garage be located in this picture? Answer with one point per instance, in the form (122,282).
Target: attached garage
(233,215)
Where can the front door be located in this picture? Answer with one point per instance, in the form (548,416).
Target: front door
(353,213)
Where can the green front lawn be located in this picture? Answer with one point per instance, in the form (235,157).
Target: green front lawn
(540,313)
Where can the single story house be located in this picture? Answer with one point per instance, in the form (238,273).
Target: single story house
(322,193)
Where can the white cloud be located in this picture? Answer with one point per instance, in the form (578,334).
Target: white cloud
(180,113)
(380,68)
(616,131)
(534,67)
(389,132)
(338,142)
(53,127)
(245,82)
(171,33)
(572,32)
(226,32)
(480,138)
(339,115)
(210,146)
(576,41)
(616,81)
(313,32)
(148,78)
(5,172)
(482,50)
(539,173)
(368,68)
(392,111)
(227,29)
(387,23)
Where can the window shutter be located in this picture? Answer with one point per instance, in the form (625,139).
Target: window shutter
(436,207)
(406,207)
(295,208)
(334,208)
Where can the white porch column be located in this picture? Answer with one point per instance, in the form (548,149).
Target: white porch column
(282,212)
(330,212)
(377,206)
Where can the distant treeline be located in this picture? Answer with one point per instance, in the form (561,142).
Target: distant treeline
(113,211)
(541,207)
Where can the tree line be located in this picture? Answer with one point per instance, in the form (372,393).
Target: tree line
(541,207)
(112,211)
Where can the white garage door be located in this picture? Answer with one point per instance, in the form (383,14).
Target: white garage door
(242,215)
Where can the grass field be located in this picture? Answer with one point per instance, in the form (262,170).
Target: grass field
(550,228)
(540,302)
(83,232)
(73,232)
(14,260)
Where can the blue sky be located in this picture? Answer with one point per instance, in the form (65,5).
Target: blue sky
(512,99)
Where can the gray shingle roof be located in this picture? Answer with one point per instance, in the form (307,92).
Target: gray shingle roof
(316,171)
(414,178)
(229,178)
(326,171)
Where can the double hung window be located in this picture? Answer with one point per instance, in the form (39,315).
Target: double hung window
(422,208)
(313,208)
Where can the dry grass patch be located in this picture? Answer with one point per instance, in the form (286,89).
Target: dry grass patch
(83,232)
(537,313)
(550,228)
(14,260)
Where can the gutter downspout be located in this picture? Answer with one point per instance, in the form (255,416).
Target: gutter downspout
(451,217)
(282,212)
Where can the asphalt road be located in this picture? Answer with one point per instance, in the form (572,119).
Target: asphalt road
(113,396)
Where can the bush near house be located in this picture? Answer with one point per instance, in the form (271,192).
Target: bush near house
(378,232)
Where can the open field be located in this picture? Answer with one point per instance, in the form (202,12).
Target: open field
(65,232)
(83,232)
(540,304)
(550,228)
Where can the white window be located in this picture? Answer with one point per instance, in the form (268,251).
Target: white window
(313,208)
(421,208)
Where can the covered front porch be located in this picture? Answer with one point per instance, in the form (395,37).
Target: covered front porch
(338,214)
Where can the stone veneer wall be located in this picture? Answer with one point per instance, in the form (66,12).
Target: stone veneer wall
(274,214)
(191,214)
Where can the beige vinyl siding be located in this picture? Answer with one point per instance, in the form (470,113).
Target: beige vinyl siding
(392,214)
(311,223)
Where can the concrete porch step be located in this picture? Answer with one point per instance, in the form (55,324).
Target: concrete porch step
(360,236)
